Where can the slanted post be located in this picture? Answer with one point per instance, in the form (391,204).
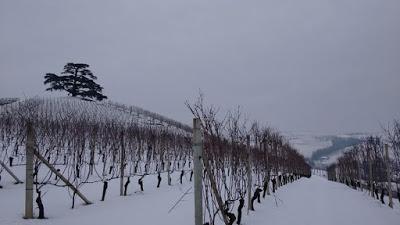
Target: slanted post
(29,148)
(197,171)
(61,176)
(17,180)
(248,175)
(389,176)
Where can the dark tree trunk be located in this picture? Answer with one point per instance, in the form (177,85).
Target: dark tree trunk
(231,217)
(105,186)
(126,186)
(110,170)
(265,188)
(77,171)
(11,159)
(191,175)
(159,180)
(140,182)
(241,204)
(398,194)
(273,185)
(73,200)
(255,196)
(180,178)
(40,204)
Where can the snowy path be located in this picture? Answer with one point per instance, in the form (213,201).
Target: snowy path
(314,201)
(321,202)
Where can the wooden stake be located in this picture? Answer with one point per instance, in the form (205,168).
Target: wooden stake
(370,172)
(65,180)
(17,180)
(29,148)
(122,162)
(249,182)
(388,173)
(197,171)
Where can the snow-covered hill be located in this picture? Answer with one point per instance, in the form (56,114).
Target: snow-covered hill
(307,143)
(323,149)
(90,110)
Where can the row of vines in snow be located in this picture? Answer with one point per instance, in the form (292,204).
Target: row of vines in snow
(85,141)
(89,142)
(231,149)
(373,164)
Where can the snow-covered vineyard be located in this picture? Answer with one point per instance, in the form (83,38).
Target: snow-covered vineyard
(88,150)
(311,201)
(109,162)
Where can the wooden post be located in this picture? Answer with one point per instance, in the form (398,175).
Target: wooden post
(214,188)
(249,181)
(268,170)
(29,148)
(197,171)
(389,176)
(370,172)
(92,147)
(359,175)
(122,162)
(169,169)
(17,180)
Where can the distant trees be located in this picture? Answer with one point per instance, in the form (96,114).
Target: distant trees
(373,164)
(393,134)
(77,80)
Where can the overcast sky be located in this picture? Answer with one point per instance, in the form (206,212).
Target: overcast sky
(329,66)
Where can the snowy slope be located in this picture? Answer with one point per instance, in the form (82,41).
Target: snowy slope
(308,143)
(321,202)
(312,201)
(91,110)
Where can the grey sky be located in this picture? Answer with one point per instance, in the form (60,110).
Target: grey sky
(326,66)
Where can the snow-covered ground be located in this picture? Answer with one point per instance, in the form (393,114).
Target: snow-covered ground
(322,202)
(304,202)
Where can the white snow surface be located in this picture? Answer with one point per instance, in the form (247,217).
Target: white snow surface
(314,201)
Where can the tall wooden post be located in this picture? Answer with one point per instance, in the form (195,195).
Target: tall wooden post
(169,169)
(197,171)
(389,176)
(371,189)
(29,148)
(249,181)
(122,159)
(268,169)
(359,175)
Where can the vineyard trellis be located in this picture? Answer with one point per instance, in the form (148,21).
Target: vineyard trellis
(239,160)
(79,142)
(373,165)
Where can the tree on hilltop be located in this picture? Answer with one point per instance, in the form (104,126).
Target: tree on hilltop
(77,80)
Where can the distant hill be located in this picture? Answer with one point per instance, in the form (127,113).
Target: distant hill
(338,143)
(321,150)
